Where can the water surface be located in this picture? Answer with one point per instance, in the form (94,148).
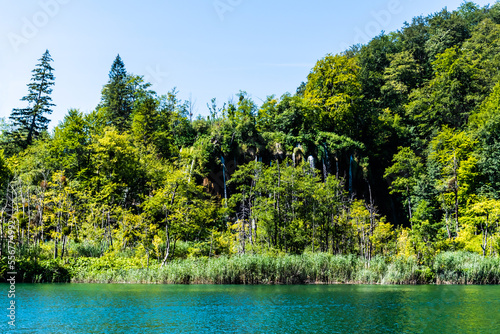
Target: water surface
(94,308)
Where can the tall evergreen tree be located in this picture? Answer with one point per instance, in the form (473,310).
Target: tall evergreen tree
(117,96)
(28,123)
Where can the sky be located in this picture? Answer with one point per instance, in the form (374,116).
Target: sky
(205,48)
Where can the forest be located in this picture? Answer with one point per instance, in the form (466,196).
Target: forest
(387,153)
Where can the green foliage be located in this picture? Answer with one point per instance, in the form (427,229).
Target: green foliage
(407,171)
(448,268)
(334,85)
(70,146)
(384,161)
(400,78)
(5,173)
(117,96)
(466,268)
(485,124)
(29,123)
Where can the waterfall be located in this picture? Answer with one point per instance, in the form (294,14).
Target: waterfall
(324,169)
(191,170)
(350,174)
(327,158)
(325,162)
(326,153)
(224,176)
(310,159)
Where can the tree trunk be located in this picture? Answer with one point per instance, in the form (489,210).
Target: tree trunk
(167,251)
(484,228)
(409,204)
(64,240)
(110,235)
(55,248)
(277,221)
(446,219)
(455,172)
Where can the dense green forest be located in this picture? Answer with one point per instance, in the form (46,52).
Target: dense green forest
(388,150)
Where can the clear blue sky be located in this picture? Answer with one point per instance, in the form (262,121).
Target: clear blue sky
(205,48)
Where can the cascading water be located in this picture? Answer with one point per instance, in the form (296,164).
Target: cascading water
(224,177)
(310,159)
(350,174)
(324,159)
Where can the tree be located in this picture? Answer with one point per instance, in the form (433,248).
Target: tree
(485,124)
(28,123)
(334,85)
(450,96)
(451,153)
(374,58)
(181,208)
(117,96)
(481,49)
(447,29)
(60,210)
(484,216)
(413,38)
(117,174)
(4,171)
(70,144)
(401,77)
(407,168)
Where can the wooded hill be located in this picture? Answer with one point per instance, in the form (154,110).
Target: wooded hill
(389,148)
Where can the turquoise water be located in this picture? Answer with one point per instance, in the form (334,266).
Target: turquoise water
(92,308)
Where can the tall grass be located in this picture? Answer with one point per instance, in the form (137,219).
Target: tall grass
(319,268)
(87,248)
(309,268)
(466,268)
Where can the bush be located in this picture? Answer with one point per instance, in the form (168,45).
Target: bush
(44,271)
(87,249)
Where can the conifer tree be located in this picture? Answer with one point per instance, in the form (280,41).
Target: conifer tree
(28,123)
(117,98)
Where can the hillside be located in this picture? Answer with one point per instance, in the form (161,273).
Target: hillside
(390,148)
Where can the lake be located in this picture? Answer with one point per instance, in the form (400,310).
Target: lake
(93,308)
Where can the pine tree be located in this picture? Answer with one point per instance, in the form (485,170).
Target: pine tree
(117,98)
(28,123)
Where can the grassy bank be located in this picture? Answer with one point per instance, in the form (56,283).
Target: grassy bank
(318,268)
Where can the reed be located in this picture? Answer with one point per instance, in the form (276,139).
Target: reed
(466,268)
(317,268)
(308,268)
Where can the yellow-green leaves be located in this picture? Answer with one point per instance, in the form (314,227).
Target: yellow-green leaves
(334,86)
